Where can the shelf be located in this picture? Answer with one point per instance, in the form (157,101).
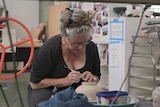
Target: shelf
(142,88)
(101,42)
(145,77)
(28,44)
(147,35)
(142,97)
(149,55)
(104,64)
(142,45)
(158,66)
(146,66)
(143,66)
(144,55)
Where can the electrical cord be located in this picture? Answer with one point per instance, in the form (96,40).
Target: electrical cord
(13,53)
(5,98)
(130,58)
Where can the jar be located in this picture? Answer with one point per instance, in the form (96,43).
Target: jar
(89,89)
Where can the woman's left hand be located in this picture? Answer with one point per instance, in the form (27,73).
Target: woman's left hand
(89,77)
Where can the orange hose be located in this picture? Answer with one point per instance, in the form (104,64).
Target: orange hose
(16,44)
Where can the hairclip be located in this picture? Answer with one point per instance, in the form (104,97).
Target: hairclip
(69,9)
(91,17)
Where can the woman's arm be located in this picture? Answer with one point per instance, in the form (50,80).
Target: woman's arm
(47,82)
(72,77)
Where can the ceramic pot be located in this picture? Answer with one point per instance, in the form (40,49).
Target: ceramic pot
(148,13)
(89,89)
(156,97)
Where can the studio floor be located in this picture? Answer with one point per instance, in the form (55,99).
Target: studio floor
(10,89)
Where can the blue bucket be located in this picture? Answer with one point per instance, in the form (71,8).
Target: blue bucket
(107,97)
(131,101)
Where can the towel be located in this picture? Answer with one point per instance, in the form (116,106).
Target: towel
(67,98)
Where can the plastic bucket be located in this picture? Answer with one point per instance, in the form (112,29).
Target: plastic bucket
(131,101)
(105,98)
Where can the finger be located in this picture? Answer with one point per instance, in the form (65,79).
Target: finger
(75,80)
(76,73)
(94,78)
(83,75)
(91,79)
(83,78)
(87,77)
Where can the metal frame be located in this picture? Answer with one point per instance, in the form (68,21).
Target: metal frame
(155,2)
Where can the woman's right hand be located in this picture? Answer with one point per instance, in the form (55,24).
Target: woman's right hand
(73,77)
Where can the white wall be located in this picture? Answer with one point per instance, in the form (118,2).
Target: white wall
(119,53)
(26,11)
(43,8)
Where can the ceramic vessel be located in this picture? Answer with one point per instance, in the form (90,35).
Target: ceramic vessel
(89,89)
(148,13)
(156,97)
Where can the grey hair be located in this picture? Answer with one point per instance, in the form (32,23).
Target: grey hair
(75,21)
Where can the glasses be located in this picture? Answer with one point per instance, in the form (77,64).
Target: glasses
(77,44)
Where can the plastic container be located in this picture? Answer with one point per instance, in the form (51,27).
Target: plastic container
(131,101)
(105,98)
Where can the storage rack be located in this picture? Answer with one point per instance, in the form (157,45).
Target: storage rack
(144,67)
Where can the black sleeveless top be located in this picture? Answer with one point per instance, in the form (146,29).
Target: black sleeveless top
(48,62)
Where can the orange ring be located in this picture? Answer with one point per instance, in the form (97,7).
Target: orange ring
(2,25)
(15,44)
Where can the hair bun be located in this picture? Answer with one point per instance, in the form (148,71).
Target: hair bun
(75,22)
(65,16)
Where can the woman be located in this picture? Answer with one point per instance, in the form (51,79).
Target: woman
(71,49)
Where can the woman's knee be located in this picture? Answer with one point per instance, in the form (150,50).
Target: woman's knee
(37,96)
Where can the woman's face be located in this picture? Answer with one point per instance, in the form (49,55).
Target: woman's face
(77,42)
